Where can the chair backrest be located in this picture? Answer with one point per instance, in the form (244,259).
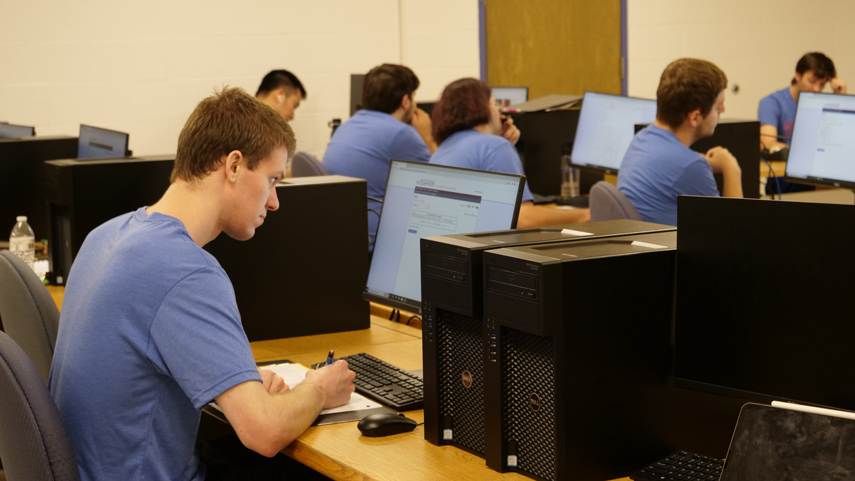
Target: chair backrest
(608,203)
(306,165)
(27,312)
(34,444)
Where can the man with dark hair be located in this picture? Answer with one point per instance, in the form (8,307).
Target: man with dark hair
(150,330)
(470,132)
(659,166)
(282,91)
(389,126)
(777,111)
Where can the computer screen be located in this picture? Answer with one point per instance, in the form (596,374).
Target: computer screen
(98,143)
(764,300)
(821,150)
(509,96)
(606,127)
(13,131)
(424,200)
(357,80)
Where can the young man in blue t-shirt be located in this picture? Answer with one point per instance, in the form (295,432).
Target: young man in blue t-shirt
(777,111)
(150,330)
(659,166)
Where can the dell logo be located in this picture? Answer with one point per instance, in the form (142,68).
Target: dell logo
(466,377)
(534,402)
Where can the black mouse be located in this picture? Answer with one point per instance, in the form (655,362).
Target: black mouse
(384,424)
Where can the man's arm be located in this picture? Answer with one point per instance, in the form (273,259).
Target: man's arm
(537,215)
(769,138)
(268,421)
(724,163)
(838,85)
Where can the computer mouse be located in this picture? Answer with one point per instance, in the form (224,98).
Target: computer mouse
(384,424)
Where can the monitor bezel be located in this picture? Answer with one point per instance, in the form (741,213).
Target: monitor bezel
(127,136)
(816,181)
(30,129)
(411,305)
(594,168)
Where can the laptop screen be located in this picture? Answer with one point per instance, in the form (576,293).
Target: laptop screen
(98,143)
(606,128)
(424,200)
(821,150)
(776,444)
(509,96)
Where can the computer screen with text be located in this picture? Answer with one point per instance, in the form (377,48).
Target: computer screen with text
(98,143)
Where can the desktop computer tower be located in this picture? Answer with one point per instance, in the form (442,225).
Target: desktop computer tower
(83,194)
(454,351)
(22,190)
(578,338)
(304,271)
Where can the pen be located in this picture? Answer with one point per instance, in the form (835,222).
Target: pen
(330,357)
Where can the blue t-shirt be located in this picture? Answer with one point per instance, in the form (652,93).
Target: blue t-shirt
(364,146)
(779,110)
(477,150)
(656,169)
(149,333)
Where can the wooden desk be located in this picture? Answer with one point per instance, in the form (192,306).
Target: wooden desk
(339,451)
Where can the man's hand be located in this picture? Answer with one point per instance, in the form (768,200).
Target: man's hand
(721,160)
(509,130)
(272,382)
(335,383)
(421,121)
(838,85)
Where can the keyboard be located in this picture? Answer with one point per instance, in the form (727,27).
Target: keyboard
(682,466)
(386,383)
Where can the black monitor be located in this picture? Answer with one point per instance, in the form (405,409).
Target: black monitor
(98,143)
(12,131)
(424,200)
(606,128)
(764,300)
(821,150)
(357,80)
(509,96)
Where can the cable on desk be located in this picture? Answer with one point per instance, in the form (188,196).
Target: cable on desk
(414,316)
(775,177)
(395,315)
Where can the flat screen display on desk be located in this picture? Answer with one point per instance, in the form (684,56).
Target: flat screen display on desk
(822,150)
(13,131)
(98,143)
(424,200)
(509,96)
(606,127)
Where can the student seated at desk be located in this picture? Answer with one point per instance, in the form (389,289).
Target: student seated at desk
(471,133)
(150,331)
(659,166)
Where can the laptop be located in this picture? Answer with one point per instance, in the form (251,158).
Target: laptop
(783,444)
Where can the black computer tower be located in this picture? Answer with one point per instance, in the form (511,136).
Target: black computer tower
(22,190)
(579,352)
(83,194)
(304,271)
(454,351)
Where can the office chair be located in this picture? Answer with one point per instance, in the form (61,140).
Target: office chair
(608,203)
(33,441)
(306,165)
(28,314)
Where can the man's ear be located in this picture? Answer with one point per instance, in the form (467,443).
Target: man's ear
(406,101)
(695,118)
(233,165)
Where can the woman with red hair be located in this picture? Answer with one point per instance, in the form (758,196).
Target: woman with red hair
(470,132)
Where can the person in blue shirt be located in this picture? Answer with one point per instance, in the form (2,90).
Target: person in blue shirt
(659,166)
(471,133)
(150,330)
(777,111)
(389,126)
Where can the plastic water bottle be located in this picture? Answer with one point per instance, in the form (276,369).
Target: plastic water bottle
(22,242)
(569,178)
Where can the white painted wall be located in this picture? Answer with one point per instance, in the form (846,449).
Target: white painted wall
(141,66)
(756,42)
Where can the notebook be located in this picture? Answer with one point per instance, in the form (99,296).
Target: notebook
(781,444)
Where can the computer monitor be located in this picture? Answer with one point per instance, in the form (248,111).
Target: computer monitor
(12,131)
(425,200)
(823,141)
(606,128)
(509,96)
(98,143)
(764,300)
(357,80)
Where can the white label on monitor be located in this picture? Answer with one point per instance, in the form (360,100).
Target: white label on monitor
(648,245)
(575,232)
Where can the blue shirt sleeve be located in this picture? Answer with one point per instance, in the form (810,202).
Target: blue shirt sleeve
(769,112)
(697,179)
(197,337)
(505,158)
(409,145)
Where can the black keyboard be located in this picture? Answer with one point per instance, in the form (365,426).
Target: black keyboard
(386,383)
(682,466)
